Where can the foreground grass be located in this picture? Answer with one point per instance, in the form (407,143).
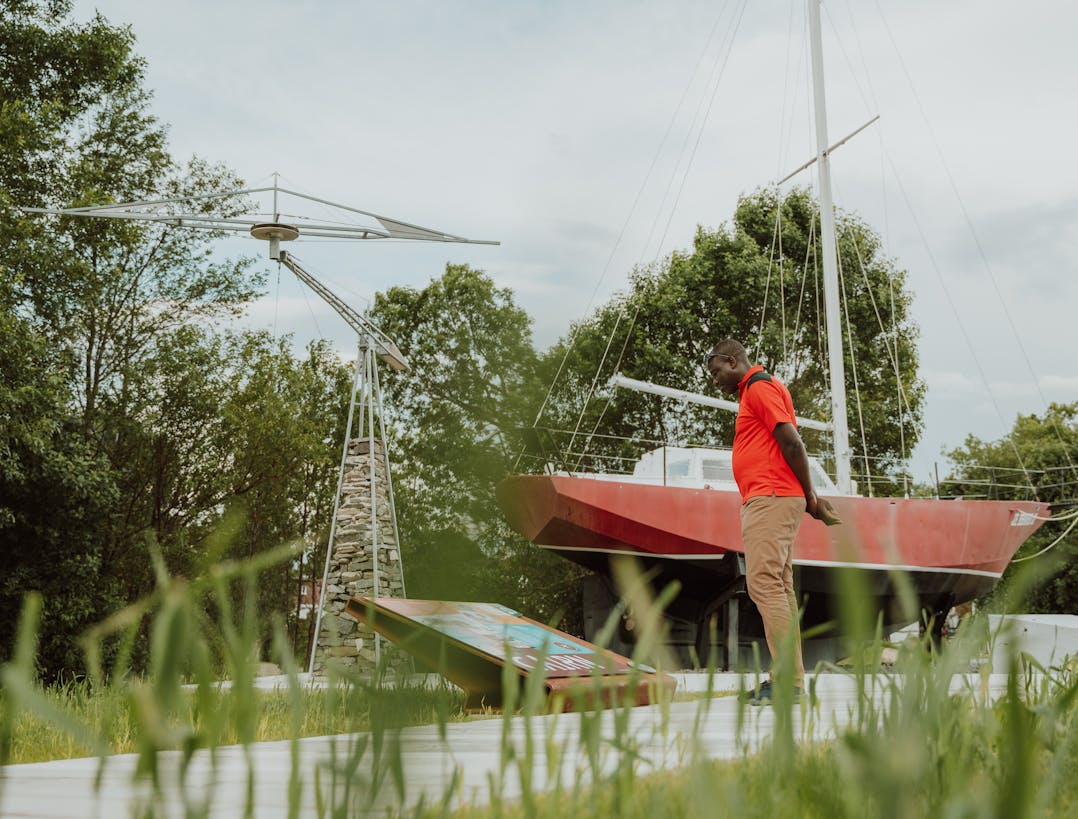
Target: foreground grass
(114,715)
(817,785)
(915,749)
(910,747)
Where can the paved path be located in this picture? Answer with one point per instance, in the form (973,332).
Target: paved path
(462,764)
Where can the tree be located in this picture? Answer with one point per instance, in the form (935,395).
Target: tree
(56,74)
(1035,460)
(284,423)
(76,130)
(228,420)
(54,491)
(55,487)
(455,418)
(754,279)
(137,430)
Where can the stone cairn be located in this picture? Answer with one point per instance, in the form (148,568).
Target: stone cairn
(342,641)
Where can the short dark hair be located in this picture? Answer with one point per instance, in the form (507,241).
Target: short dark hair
(731,347)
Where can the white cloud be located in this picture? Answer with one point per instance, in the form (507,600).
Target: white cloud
(1064,387)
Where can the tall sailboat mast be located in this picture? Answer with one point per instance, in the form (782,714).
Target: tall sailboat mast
(840,430)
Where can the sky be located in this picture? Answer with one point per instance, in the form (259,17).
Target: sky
(594,135)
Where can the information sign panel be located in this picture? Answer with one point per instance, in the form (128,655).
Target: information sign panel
(470,644)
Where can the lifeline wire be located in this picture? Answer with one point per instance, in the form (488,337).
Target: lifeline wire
(1051,545)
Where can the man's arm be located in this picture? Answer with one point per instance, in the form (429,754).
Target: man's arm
(793,450)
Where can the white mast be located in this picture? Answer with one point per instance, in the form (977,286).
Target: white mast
(840,432)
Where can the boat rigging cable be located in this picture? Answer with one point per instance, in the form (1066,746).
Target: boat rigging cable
(717,69)
(981,254)
(801,293)
(783,162)
(903,398)
(628,218)
(983,257)
(853,370)
(1051,545)
(777,243)
(722,58)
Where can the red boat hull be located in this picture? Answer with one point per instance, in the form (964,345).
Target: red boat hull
(677,523)
(951,551)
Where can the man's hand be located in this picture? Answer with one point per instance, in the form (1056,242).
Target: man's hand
(793,450)
(822,510)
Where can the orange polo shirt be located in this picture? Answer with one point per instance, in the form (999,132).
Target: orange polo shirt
(759,467)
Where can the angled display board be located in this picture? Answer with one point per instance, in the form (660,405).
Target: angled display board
(472,643)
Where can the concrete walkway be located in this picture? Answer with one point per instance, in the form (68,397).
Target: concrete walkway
(459,767)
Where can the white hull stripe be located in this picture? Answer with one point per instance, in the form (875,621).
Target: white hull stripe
(830,564)
(889,567)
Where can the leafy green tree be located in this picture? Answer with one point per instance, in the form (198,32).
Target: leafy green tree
(284,424)
(54,491)
(754,279)
(57,74)
(56,486)
(136,397)
(454,420)
(1036,460)
(229,420)
(76,130)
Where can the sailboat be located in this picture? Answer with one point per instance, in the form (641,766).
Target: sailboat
(678,516)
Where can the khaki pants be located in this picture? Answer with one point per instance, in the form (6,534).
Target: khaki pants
(768,527)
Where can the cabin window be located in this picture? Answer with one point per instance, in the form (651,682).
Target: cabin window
(677,469)
(718,471)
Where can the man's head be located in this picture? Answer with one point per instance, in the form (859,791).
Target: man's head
(727,364)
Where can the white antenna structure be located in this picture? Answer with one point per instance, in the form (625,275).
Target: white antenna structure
(272,226)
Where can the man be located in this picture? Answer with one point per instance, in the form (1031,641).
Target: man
(772,472)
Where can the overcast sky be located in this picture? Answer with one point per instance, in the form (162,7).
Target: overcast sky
(536,123)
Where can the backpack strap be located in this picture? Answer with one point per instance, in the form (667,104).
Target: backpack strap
(760,376)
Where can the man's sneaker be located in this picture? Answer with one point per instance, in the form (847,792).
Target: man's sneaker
(763,695)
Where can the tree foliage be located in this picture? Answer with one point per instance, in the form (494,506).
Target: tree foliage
(754,279)
(54,491)
(455,418)
(1036,460)
(131,413)
(283,427)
